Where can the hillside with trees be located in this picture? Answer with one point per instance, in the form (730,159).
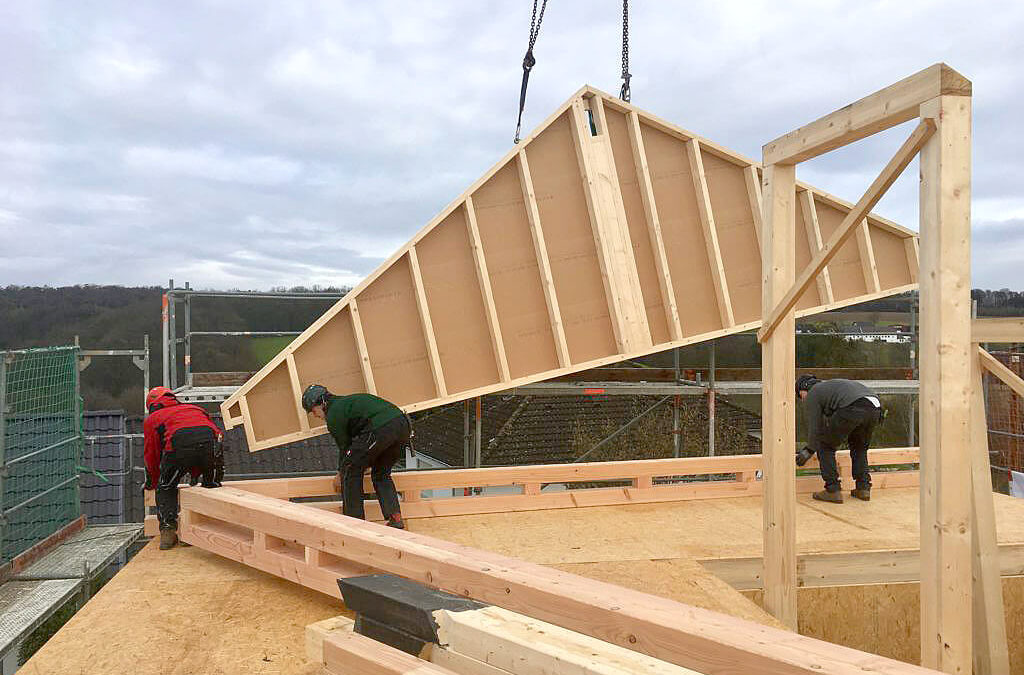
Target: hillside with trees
(117,317)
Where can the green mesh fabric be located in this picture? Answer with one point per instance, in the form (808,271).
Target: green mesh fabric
(40,445)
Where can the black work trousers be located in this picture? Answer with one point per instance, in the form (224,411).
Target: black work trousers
(378,450)
(192,448)
(854,424)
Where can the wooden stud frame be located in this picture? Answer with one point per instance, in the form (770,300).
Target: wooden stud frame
(313,547)
(606,234)
(941,99)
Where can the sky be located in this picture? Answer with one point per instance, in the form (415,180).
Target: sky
(246,145)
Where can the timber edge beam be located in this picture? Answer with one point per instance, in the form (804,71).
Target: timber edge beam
(706,641)
(885,108)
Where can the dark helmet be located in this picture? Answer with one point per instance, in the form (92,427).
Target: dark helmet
(315,394)
(805,382)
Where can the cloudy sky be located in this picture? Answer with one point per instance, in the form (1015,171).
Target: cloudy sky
(239,144)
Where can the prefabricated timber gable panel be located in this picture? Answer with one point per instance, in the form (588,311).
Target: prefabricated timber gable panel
(605,235)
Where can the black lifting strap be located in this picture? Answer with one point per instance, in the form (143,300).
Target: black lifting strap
(529,62)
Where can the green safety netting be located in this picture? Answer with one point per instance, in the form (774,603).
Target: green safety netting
(40,445)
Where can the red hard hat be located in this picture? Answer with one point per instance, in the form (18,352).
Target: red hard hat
(155,393)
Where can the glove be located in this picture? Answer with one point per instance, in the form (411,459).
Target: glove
(804,456)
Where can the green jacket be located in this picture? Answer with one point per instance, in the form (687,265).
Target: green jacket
(349,416)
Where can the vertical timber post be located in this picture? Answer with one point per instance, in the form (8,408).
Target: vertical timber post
(946,616)
(711,402)
(477,449)
(777,398)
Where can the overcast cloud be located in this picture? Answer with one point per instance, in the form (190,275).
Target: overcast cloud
(238,144)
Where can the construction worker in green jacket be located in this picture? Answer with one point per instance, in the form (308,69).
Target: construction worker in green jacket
(371,433)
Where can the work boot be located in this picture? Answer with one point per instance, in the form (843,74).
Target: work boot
(863,494)
(168,538)
(396,522)
(829,496)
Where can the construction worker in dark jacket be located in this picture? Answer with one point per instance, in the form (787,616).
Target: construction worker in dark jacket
(180,438)
(371,433)
(836,411)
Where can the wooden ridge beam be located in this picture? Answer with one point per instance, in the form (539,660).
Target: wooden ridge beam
(707,221)
(543,264)
(867,258)
(875,192)
(706,641)
(999,330)
(813,230)
(364,354)
(643,176)
(484,279)
(886,108)
(426,324)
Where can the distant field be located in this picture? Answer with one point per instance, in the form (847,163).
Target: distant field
(265,348)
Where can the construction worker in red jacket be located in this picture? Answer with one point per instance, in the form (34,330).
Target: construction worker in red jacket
(180,439)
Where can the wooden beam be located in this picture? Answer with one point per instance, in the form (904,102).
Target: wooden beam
(293,375)
(886,108)
(707,221)
(911,246)
(1005,375)
(364,354)
(623,262)
(867,258)
(813,231)
(778,357)
(753,182)
(348,652)
(425,323)
(1004,330)
(540,247)
(876,191)
(250,435)
(695,638)
(581,135)
(945,348)
(643,177)
(484,279)
(849,568)
(991,655)
(581,472)
(519,644)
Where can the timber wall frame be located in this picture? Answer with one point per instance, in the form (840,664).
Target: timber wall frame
(605,235)
(313,547)
(957,523)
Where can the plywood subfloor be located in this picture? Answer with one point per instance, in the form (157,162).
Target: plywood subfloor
(885,619)
(696,529)
(188,611)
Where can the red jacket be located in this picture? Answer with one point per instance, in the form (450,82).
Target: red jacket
(169,417)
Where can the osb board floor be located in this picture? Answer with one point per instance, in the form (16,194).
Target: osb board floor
(680,579)
(712,528)
(885,618)
(188,611)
